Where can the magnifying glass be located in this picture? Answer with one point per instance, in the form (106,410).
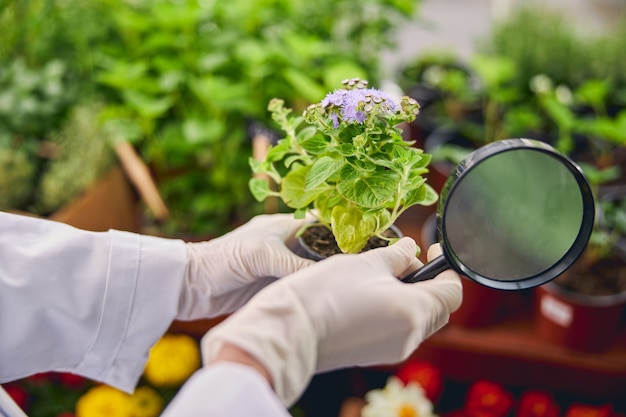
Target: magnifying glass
(514,214)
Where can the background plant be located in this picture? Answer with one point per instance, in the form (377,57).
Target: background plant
(345,161)
(183,80)
(543,41)
(46,65)
(186,78)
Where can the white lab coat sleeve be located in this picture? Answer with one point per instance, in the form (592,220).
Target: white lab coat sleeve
(90,303)
(226,389)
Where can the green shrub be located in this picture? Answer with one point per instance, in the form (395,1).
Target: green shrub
(544,41)
(186,78)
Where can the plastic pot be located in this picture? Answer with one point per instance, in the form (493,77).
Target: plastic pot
(580,322)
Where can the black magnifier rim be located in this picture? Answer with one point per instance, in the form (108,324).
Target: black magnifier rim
(488,151)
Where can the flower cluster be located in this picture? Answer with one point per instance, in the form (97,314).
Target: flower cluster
(173,359)
(355,103)
(415,390)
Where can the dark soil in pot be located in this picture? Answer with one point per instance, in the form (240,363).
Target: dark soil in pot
(605,277)
(319,240)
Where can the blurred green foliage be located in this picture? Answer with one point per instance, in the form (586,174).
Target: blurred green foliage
(183,79)
(536,75)
(541,40)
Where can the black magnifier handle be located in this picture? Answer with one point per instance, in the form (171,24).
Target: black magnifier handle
(428,271)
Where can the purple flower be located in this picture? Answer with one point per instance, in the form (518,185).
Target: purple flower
(355,105)
(335,98)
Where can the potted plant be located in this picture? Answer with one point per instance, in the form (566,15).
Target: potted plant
(583,308)
(345,162)
(184,78)
(443,85)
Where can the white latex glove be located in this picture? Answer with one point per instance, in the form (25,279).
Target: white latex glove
(224,273)
(348,310)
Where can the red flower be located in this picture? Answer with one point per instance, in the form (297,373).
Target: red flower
(582,410)
(39,379)
(537,404)
(488,399)
(73,381)
(19,395)
(424,373)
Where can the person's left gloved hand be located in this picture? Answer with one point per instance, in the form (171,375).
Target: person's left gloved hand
(224,273)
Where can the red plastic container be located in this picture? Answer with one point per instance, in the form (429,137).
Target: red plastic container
(580,322)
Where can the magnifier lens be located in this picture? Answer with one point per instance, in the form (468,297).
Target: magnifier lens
(514,216)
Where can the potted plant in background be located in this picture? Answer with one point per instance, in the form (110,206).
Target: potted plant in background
(55,158)
(583,308)
(344,161)
(573,106)
(444,86)
(184,78)
(477,105)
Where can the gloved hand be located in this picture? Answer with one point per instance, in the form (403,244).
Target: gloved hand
(348,310)
(224,273)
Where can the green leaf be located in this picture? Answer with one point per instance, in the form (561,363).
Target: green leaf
(424,195)
(292,189)
(325,203)
(306,133)
(300,214)
(351,229)
(260,189)
(201,130)
(321,170)
(347,149)
(373,191)
(349,173)
(147,106)
(276,153)
(315,145)
(122,75)
(365,165)
(293,159)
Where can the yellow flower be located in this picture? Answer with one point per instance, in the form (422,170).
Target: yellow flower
(398,400)
(104,401)
(146,402)
(173,359)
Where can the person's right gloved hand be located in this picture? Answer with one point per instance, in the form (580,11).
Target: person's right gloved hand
(348,310)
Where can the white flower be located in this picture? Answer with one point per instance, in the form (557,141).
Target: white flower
(398,400)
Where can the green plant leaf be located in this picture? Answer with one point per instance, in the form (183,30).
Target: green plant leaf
(347,149)
(147,106)
(122,75)
(325,203)
(202,130)
(351,229)
(300,213)
(321,170)
(372,191)
(349,173)
(306,133)
(260,189)
(277,152)
(292,189)
(315,145)
(424,195)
